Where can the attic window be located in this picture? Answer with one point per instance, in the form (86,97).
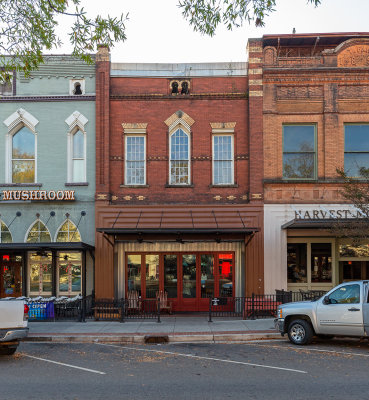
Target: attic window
(77,87)
(175,87)
(179,87)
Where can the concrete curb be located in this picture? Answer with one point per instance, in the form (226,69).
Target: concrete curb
(198,338)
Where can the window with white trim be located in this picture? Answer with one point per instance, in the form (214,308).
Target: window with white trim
(223,160)
(135,160)
(68,232)
(38,233)
(5,235)
(179,158)
(78,161)
(23,156)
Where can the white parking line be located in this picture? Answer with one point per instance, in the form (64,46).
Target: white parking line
(203,358)
(346,353)
(63,364)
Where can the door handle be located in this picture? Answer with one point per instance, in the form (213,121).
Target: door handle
(354,309)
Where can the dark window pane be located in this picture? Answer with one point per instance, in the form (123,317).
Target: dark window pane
(354,162)
(345,294)
(296,263)
(134,273)
(152,275)
(356,137)
(298,165)
(170,275)
(189,275)
(207,275)
(321,262)
(298,138)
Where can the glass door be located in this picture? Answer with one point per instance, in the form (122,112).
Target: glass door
(11,275)
(189,281)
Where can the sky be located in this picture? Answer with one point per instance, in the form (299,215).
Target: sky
(158,33)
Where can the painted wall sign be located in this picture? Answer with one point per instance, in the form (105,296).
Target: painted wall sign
(327,214)
(40,195)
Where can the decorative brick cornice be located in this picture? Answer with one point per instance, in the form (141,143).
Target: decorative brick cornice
(222,125)
(160,96)
(136,127)
(14,99)
(178,116)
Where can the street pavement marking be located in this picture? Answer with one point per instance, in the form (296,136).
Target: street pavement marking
(65,365)
(203,358)
(346,353)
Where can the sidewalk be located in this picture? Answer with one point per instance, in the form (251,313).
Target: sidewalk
(172,329)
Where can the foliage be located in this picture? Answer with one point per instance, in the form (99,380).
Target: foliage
(206,15)
(27,29)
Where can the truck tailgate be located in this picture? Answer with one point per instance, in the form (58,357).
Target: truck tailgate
(11,314)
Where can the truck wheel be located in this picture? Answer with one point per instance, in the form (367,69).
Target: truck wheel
(7,351)
(300,332)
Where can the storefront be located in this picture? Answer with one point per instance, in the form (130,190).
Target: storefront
(306,250)
(192,255)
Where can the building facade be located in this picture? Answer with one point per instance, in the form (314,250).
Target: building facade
(315,120)
(178,197)
(47,180)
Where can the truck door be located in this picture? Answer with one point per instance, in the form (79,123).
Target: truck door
(342,314)
(366,308)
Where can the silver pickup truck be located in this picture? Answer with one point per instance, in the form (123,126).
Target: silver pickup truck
(13,325)
(344,311)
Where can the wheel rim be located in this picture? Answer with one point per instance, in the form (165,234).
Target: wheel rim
(297,333)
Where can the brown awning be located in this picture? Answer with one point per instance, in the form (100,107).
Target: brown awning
(319,223)
(179,221)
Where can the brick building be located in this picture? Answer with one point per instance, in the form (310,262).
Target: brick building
(178,197)
(315,112)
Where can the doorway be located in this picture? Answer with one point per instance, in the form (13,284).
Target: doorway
(353,270)
(11,275)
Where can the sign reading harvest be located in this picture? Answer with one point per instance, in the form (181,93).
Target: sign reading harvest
(39,195)
(327,214)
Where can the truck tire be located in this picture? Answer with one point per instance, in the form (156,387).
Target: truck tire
(300,332)
(7,350)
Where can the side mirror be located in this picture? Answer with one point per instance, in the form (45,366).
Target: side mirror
(326,300)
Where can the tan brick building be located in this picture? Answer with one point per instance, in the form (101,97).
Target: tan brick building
(315,113)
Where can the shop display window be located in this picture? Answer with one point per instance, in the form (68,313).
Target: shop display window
(170,275)
(134,273)
(70,273)
(225,275)
(297,263)
(352,250)
(40,275)
(152,275)
(321,262)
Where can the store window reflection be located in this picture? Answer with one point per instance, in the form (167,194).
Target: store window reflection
(40,276)
(134,273)
(225,275)
(70,273)
(296,263)
(321,262)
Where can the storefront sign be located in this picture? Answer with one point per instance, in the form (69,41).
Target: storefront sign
(327,214)
(26,195)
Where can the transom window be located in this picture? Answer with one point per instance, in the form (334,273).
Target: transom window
(356,149)
(38,233)
(299,153)
(23,156)
(78,157)
(5,235)
(223,165)
(179,158)
(135,160)
(68,232)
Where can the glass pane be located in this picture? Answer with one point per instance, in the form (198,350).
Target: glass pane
(345,294)
(296,263)
(78,145)
(179,146)
(23,171)
(68,232)
(40,272)
(170,275)
(135,172)
(321,262)
(134,273)
(226,275)
(189,276)
(152,275)
(70,272)
(179,172)
(38,233)
(298,165)
(63,278)
(34,277)
(5,236)
(298,138)
(135,148)
(207,275)
(351,270)
(354,162)
(350,250)
(46,277)
(23,144)
(223,172)
(78,170)
(356,137)
(222,148)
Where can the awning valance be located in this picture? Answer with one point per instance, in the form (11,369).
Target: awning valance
(320,223)
(47,246)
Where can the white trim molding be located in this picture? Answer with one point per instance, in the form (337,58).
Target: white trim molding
(76,121)
(23,117)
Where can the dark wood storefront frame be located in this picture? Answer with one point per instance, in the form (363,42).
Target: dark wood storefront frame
(180,303)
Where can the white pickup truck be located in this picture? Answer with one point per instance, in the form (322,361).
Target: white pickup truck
(13,324)
(343,311)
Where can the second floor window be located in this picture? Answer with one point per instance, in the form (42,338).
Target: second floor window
(299,154)
(78,157)
(23,160)
(356,150)
(179,170)
(135,160)
(223,160)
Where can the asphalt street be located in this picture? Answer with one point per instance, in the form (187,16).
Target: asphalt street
(337,369)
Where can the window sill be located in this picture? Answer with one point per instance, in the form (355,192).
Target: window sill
(134,186)
(76,184)
(233,185)
(179,186)
(20,184)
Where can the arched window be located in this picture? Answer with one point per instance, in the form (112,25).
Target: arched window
(68,232)
(38,233)
(23,156)
(5,235)
(78,157)
(179,169)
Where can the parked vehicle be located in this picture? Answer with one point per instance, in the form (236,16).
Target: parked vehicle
(343,311)
(13,324)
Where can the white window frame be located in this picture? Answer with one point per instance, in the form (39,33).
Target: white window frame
(125,159)
(15,122)
(76,122)
(232,158)
(188,133)
(40,292)
(59,228)
(31,226)
(69,292)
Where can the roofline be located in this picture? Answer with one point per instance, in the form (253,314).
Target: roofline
(311,35)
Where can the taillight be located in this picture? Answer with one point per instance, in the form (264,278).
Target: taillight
(25,315)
